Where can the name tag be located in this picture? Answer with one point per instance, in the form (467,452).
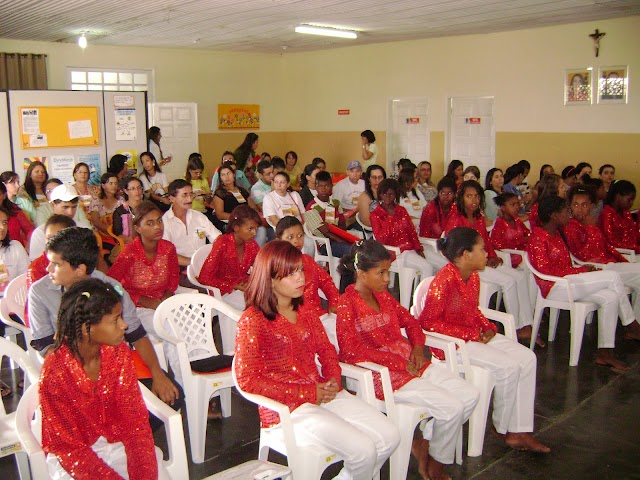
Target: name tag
(4,277)
(200,233)
(330,215)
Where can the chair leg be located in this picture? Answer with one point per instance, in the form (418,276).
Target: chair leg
(225,401)
(197,409)
(228,328)
(578,317)
(263,449)
(537,318)
(484,381)
(22,460)
(399,461)
(554,313)
(407,276)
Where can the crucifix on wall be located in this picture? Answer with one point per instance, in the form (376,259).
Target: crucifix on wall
(596,36)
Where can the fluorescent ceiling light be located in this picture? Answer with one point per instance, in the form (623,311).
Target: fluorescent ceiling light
(82,41)
(326,31)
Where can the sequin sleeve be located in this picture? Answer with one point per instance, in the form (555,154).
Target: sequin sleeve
(456,219)
(619,231)
(352,348)
(326,285)
(121,271)
(327,355)
(210,273)
(430,226)
(397,230)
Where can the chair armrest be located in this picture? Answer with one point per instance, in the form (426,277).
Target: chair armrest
(387,389)
(225,309)
(505,257)
(627,252)
(7,320)
(364,377)
(429,242)
(506,319)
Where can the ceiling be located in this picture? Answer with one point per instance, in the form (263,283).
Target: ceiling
(266,26)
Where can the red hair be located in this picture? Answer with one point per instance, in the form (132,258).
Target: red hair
(276,260)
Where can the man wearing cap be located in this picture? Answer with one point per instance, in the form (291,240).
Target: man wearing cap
(349,189)
(64,201)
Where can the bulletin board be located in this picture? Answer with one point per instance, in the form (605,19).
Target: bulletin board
(59,126)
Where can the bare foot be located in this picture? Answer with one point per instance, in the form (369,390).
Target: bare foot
(605,357)
(525,441)
(632,331)
(524,334)
(212,414)
(436,470)
(420,450)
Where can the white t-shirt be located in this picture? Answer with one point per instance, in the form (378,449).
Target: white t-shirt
(190,237)
(38,241)
(290,204)
(347,193)
(413,204)
(15,260)
(157,183)
(374,158)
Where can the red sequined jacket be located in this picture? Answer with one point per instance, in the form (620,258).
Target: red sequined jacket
(456,219)
(76,411)
(222,269)
(451,307)
(20,228)
(534,219)
(396,230)
(144,277)
(37,269)
(276,358)
(317,278)
(505,235)
(365,335)
(620,230)
(433,220)
(549,255)
(587,243)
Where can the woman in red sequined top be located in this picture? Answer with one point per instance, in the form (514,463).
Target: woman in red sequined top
(369,330)
(277,343)
(549,185)
(549,255)
(148,267)
(94,420)
(508,230)
(435,215)
(616,221)
(451,308)
(393,226)
(468,213)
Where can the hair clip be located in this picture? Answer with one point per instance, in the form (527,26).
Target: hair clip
(355,261)
(86,294)
(444,240)
(359,243)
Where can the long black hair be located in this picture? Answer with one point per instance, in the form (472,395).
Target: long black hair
(460,197)
(458,241)
(364,255)
(29,185)
(367,182)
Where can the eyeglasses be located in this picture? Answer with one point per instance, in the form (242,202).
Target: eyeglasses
(134,189)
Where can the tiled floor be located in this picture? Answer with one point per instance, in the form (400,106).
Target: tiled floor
(589,416)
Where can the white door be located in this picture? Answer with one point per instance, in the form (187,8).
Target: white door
(408,135)
(179,125)
(471,133)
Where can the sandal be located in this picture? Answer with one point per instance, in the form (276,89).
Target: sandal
(612,367)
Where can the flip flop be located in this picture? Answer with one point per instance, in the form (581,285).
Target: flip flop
(613,368)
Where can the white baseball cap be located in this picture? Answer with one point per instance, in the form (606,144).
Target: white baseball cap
(64,193)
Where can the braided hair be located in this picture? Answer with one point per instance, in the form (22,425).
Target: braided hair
(85,303)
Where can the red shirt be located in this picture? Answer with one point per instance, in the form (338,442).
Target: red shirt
(222,269)
(549,255)
(451,307)
(506,235)
(619,230)
(433,220)
(396,230)
(37,269)
(339,214)
(20,227)
(365,335)
(276,358)
(587,243)
(456,219)
(143,277)
(76,411)
(315,278)
(534,219)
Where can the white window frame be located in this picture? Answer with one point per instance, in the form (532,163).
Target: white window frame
(148,73)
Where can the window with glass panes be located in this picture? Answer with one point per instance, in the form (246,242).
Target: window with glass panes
(110,80)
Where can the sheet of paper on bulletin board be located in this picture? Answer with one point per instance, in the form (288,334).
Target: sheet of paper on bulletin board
(42,127)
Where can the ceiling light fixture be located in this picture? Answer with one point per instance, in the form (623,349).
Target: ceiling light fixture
(326,31)
(82,41)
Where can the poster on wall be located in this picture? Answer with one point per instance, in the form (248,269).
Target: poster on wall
(95,169)
(61,167)
(231,115)
(29,160)
(613,83)
(125,124)
(577,87)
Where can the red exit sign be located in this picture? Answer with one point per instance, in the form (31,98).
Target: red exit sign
(344,111)
(413,120)
(473,120)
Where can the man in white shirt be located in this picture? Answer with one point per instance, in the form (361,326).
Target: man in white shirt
(64,201)
(349,189)
(186,228)
(263,186)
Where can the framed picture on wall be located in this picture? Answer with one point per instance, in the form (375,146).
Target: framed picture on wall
(613,83)
(577,87)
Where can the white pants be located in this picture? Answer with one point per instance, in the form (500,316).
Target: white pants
(356,431)
(329,323)
(630,275)
(450,401)
(514,366)
(515,292)
(436,259)
(113,454)
(606,289)
(228,326)
(413,260)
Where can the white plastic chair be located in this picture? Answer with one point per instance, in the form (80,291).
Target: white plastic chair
(10,443)
(482,379)
(629,254)
(366,231)
(15,300)
(184,322)
(327,258)
(30,433)
(579,311)
(406,276)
